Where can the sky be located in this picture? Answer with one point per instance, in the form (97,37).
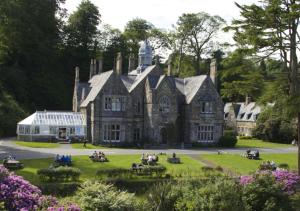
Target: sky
(161,13)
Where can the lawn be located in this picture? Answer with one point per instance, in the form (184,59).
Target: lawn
(255,143)
(189,166)
(37,144)
(241,165)
(88,146)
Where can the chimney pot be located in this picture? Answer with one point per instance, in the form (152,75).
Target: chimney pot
(119,64)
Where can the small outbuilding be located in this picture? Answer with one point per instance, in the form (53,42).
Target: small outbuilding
(52,126)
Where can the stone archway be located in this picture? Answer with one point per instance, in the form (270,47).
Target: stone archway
(163,135)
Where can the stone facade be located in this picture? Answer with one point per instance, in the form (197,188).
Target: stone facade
(147,106)
(242,116)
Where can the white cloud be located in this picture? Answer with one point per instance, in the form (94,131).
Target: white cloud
(162,13)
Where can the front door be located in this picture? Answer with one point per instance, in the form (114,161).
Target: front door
(163,135)
(62,133)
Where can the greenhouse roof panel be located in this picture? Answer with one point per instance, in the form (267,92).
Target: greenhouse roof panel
(54,118)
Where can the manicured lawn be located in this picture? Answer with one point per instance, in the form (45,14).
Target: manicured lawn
(241,165)
(255,143)
(88,146)
(189,166)
(37,144)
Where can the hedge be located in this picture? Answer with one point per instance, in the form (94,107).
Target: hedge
(61,173)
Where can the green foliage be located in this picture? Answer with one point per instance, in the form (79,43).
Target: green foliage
(59,189)
(265,194)
(220,194)
(10,113)
(194,32)
(229,139)
(275,127)
(163,196)
(240,77)
(98,196)
(61,173)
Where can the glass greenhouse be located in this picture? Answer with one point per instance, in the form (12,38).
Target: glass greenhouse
(52,125)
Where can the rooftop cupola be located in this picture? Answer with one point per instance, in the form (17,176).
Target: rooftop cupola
(145,56)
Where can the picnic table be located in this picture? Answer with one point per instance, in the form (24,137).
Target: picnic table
(13,164)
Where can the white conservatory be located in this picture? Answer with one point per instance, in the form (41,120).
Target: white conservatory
(52,126)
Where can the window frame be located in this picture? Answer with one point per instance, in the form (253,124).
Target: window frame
(205,132)
(164,104)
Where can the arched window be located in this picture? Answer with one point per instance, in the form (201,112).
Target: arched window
(164,104)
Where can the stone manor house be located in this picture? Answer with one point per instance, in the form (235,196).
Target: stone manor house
(146,105)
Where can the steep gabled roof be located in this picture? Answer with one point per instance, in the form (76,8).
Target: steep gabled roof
(139,78)
(97,83)
(80,87)
(190,86)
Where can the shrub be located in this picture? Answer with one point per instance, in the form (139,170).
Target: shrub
(59,189)
(228,139)
(219,168)
(284,166)
(98,196)
(17,193)
(245,137)
(288,179)
(163,196)
(220,194)
(263,193)
(118,172)
(62,173)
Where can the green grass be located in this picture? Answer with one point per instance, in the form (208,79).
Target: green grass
(37,144)
(189,166)
(88,146)
(255,143)
(241,165)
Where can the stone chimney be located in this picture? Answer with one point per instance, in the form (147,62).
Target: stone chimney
(119,64)
(169,73)
(82,94)
(247,100)
(93,67)
(77,74)
(131,63)
(100,65)
(213,71)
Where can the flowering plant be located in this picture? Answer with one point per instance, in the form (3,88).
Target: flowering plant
(287,179)
(19,194)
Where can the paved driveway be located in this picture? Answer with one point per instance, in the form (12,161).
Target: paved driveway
(7,147)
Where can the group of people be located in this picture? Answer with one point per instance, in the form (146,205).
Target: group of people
(149,159)
(63,160)
(252,154)
(98,156)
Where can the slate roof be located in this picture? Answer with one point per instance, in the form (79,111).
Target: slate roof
(96,84)
(244,112)
(80,88)
(190,86)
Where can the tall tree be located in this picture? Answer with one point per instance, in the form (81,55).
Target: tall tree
(240,78)
(272,27)
(81,31)
(195,32)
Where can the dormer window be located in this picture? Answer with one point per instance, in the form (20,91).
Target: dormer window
(114,103)
(164,104)
(206,107)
